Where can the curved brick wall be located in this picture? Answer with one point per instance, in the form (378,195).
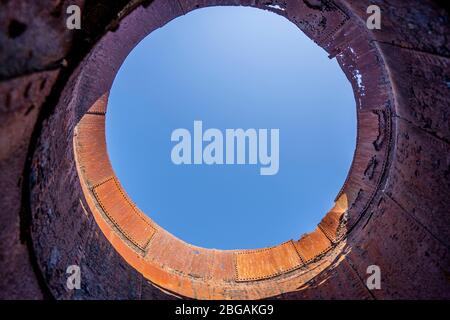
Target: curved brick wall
(62,204)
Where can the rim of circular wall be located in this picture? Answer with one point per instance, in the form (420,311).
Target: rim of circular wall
(189,271)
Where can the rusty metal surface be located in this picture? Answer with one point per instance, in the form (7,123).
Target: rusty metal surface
(123,213)
(266,263)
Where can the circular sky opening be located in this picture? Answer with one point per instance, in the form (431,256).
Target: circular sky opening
(224,69)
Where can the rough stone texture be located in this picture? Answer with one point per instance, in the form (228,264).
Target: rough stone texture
(34,47)
(413,266)
(33,36)
(20,102)
(18,280)
(393,210)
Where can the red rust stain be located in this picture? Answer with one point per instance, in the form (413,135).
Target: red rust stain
(123,213)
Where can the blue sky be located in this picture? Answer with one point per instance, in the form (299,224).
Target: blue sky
(232,68)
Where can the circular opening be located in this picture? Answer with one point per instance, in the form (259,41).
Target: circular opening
(232,68)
